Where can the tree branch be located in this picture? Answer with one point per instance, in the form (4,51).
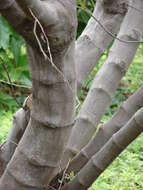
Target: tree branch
(45,12)
(11,11)
(119,119)
(101,160)
(105,132)
(20,121)
(17,19)
(52,114)
(95,38)
(105,83)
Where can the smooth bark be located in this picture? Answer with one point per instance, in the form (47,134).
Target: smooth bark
(36,120)
(101,160)
(20,121)
(94,40)
(11,7)
(106,82)
(17,19)
(46,12)
(52,114)
(105,132)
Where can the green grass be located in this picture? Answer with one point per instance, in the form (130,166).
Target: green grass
(128,85)
(5,124)
(126,172)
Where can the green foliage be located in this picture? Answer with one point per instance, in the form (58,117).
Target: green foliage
(128,85)
(13,56)
(5,124)
(83,16)
(6,101)
(126,171)
(5,33)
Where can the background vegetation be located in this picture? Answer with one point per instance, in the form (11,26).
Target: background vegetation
(126,172)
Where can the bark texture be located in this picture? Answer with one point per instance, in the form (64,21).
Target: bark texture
(20,122)
(23,25)
(106,81)
(101,160)
(94,40)
(105,132)
(52,113)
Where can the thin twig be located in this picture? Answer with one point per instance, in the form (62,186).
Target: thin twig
(46,38)
(64,173)
(2,145)
(51,188)
(137,9)
(12,88)
(15,85)
(38,41)
(13,142)
(105,29)
(50,58)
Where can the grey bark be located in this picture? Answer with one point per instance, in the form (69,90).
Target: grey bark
(106,82)
(105,132)
(15,12)
(20,122)
(47,13)
(94,40)
(42,122)
(101,160)
(23,25)
(52,114)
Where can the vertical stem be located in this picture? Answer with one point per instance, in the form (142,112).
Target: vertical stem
(105,132)
(95,39)
(52,114)
(106,82)
(101,160)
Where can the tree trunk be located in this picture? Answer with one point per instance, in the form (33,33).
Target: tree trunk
(20,121)
(101,160)
(51,51)
(95,39)
(106,82)
(92,34)
(54,91)
(105,132)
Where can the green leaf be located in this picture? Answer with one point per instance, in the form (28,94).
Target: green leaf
(4,34)
(15,45)
(3,57)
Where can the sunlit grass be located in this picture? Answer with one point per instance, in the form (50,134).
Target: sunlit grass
(126,172)
(5,124)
